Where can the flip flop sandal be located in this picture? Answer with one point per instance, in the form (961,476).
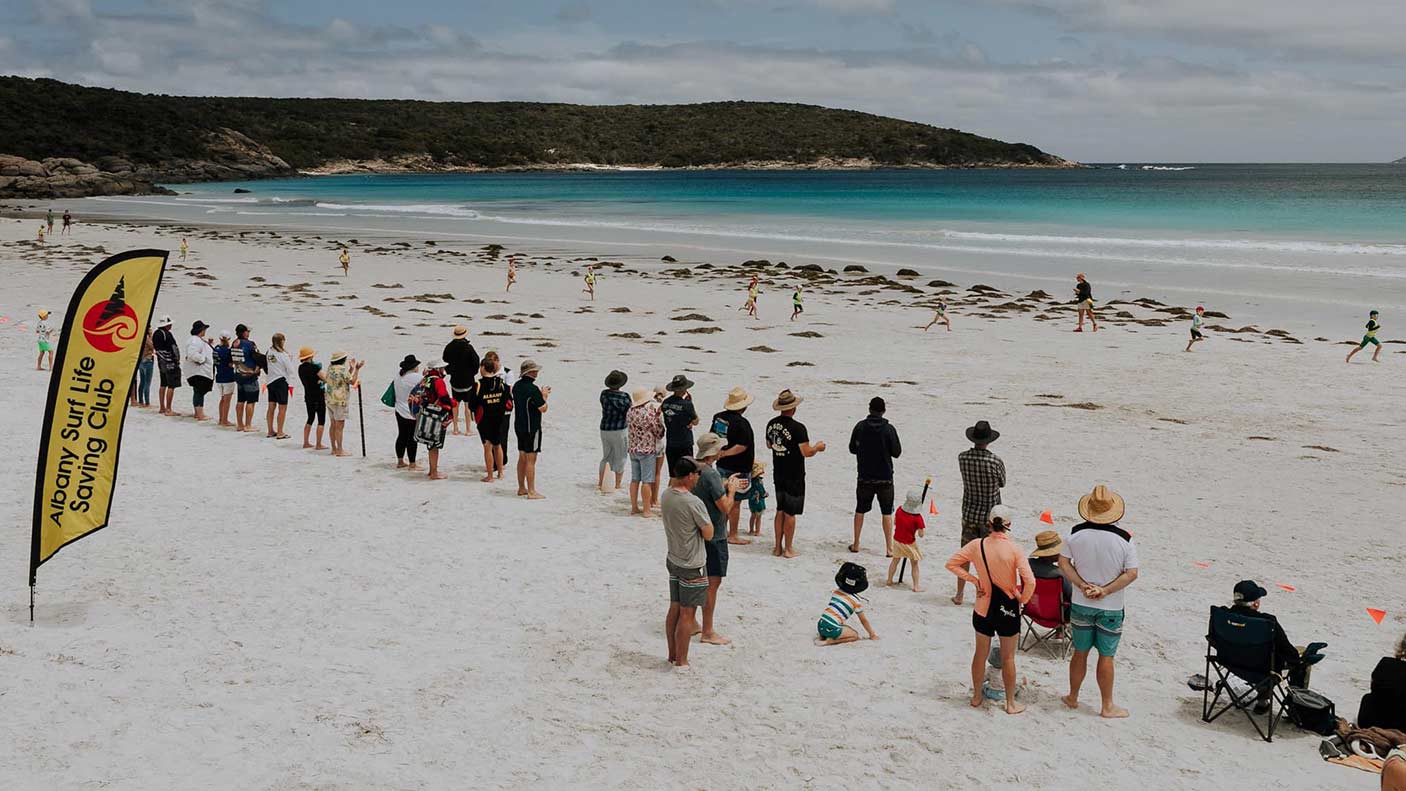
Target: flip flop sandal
(1198,683)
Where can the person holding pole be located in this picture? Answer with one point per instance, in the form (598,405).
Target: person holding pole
(339,379)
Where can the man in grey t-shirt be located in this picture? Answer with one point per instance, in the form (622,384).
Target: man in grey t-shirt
(718,497)
(686,527)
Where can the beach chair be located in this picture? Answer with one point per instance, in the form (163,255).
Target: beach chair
(1047,620)
(1241,646)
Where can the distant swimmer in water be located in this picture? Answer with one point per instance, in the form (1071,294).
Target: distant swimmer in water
(512,273)
(751,305)
(796,307)
(1084,298)
(1197,320)
(590,282)
(1370,337)
(940,317)
(345,260)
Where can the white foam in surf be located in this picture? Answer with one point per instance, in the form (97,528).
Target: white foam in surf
(434,209)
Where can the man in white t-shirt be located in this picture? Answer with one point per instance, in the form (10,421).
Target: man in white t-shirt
(1099,560)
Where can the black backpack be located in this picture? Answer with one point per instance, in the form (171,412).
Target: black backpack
(852,578)
(1312,712)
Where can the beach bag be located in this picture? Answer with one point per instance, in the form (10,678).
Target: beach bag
(388,397)
(1000,600)
(1311,711)
(430,426)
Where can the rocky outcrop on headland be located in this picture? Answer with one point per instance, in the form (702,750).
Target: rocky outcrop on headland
(228,156)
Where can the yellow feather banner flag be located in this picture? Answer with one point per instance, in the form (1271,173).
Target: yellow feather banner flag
(98,351)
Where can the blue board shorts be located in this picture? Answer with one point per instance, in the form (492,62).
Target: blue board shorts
(1096,629)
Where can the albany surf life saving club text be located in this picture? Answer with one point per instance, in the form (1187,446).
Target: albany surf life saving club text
(89,406)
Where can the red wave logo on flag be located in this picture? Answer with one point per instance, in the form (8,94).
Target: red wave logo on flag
(111,324)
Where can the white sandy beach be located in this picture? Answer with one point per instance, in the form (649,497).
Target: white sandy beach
(260,617)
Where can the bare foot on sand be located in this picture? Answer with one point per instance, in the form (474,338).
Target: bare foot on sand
(919,590)
(487,479)
(978,699)
(736,540)
(1014,708)
(340,453)
(439,476)
(1113,713)
(957,600)
(306,445)
(714,639)
(790,553)
(1071,702)
(536,496)
(398,465)
(776,552)
(320,447)
(647,514)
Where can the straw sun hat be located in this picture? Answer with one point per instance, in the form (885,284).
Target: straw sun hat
(786,401)
(1102,506)
(641,395)
(737,398)
(1047,544)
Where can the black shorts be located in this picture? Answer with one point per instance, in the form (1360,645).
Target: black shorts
(717,557)
(317,410)
(868,490)
(673,453)
(278,391)
(1196,334)
(248,391)
(792,501)
(1003,623)
(529,443)
(493,432)
(170,378)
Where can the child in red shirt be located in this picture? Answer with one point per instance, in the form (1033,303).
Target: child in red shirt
(908,526)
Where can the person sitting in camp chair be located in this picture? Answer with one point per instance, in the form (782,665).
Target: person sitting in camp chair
(1248,596)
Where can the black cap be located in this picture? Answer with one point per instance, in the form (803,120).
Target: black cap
(198,327)
(877,405)
(1247,591)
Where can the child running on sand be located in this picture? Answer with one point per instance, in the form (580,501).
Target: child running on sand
(850,581)
(756,499)
(1370,337)
(44,335)
(940,317)
(512,274)
(751,305)
(796,307)
(908,527)
(1197,320)
(590,282)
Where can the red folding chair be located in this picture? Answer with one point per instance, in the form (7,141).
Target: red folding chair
(1046,619)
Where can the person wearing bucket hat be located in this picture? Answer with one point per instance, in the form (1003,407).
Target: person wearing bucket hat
(44,336)
(198,367)
(463,361)
(402,388)
(908,529)
(738,452)
(314,399)
(831,629)
(679,419)
(1099,560)
(983,476)
(644,429)
(529,404)
(168,364)
(790,447)
(614,434)
(339,380)
(437,407)
(718,496)
(1044,561)
(874,443)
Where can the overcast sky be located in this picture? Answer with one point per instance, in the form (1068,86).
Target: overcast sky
(1093,80)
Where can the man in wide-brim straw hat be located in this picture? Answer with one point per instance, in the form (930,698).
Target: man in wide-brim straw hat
(739,450)
(1099,560)
(790,447)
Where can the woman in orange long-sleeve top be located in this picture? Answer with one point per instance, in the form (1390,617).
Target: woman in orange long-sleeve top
(1004,583)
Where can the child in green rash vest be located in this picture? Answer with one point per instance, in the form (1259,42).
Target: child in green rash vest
(1370,337)
(1197,320)
(796,307)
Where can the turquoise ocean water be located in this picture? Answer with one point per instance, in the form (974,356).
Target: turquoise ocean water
(1318,238)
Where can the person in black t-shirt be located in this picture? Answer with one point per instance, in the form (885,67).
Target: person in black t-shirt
(738,451)
(1084,298)
(529,402)
(790,447)
(679,419)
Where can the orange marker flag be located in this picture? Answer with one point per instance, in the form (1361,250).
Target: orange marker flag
(1377,615)
(1202,564)
(1047,518)
(932,508)
(1289,588)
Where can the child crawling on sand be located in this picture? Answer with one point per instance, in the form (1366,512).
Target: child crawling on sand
(850,581)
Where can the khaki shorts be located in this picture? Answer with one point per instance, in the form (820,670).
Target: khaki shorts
(971,531)
(337,412)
